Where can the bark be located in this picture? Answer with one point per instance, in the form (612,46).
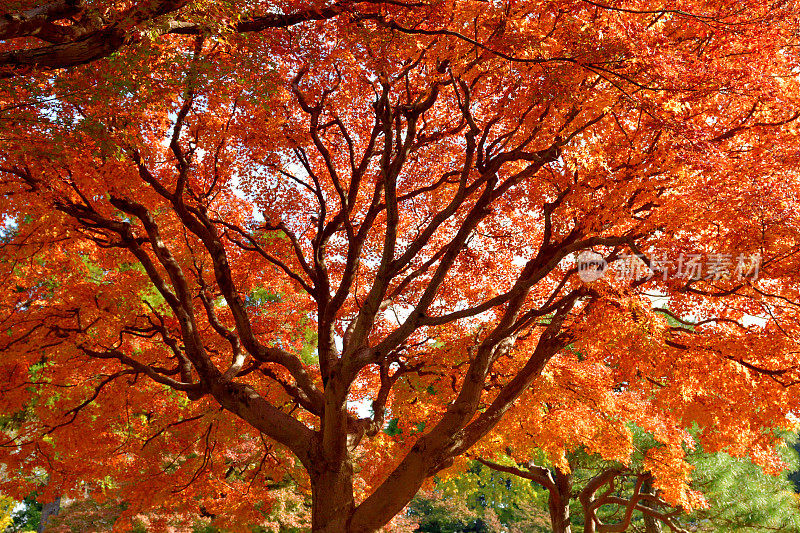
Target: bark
(35,20)
(49,509)
(651,523)
(93,39)
(587,498)
(558,502)
(589,525)
(99,44)
(332,498)
(643,500)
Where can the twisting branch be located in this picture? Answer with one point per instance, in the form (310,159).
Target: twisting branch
(557,483)
(197,220)
(608,478)
(72,414)
(137,366)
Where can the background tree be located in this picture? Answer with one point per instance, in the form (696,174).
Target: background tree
(6,512)
(412,181)
(23,516)
(480,500)
(742,498)
(598,495)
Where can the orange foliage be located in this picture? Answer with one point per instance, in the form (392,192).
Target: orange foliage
(240,225)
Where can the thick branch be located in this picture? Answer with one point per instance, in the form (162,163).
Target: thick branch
(37,19)
(87,43)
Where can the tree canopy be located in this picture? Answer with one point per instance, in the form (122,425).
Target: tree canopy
(238,238)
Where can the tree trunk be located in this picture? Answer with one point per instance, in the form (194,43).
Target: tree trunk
(332,499)
(558,502)
(48,510)
(651,524)
(588,522)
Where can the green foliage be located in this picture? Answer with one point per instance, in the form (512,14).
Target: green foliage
(437,516)
(29,514)
(393,427)
(205,528)
(742,497)
(262,296)
(481,500)
(308,354)
(794,476)
(95,273)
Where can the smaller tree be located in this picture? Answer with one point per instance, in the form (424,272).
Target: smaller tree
(611,497)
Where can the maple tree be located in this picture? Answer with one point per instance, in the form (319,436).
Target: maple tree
(598,495)
(237,224)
